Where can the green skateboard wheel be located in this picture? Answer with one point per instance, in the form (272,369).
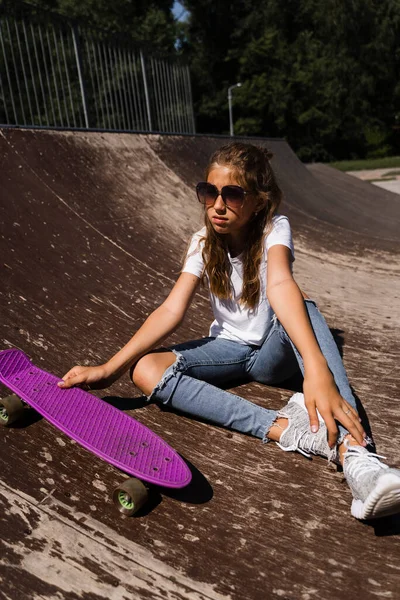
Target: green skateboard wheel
(130,496)
(11,410)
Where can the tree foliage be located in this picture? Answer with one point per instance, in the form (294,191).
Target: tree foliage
(325,75)
(148,24)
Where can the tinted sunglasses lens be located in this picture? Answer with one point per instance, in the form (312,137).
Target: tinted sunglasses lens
(206,193)
(233,195)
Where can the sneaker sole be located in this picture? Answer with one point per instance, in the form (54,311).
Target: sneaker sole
(384,500)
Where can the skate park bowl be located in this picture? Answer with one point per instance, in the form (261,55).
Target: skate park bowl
(94,227)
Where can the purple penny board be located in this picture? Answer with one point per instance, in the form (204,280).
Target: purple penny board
(101,428)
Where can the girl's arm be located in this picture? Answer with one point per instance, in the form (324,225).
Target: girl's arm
(320,391)
(159,325)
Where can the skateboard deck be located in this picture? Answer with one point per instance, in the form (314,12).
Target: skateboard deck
(97,426)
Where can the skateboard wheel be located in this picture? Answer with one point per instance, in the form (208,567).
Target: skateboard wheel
(130,496)
(11,409)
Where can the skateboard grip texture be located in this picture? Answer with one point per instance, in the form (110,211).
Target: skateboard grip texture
(98,426)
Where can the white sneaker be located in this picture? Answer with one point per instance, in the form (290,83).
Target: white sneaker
(375,486)
(298,436)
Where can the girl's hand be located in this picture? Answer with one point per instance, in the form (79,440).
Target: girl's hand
(320,392)
(95,378)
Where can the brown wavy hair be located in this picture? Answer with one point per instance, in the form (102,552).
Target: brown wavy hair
(252,170)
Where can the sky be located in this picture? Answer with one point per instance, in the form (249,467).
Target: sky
(179,12)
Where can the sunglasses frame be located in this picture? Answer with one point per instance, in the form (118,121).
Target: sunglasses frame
(220,193)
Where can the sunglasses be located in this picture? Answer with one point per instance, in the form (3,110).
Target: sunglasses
(232,195)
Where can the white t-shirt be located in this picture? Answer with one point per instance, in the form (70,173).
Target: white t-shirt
(232,320)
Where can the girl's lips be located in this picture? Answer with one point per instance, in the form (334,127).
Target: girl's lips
(219,220)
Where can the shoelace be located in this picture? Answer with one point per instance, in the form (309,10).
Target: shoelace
(363,461)
(302,436)
(308,439)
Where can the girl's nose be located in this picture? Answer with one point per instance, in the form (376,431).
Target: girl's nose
(219,204)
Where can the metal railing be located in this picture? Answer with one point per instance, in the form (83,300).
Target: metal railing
(54,73)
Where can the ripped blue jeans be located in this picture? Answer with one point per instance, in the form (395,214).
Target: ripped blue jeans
(194,383)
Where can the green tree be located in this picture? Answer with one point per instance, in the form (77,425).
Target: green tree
(211,40)
(148,24)
(56,97)
(322,74)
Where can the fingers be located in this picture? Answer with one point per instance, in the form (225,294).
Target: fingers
(74,377)
(94,378)
(348,417)
(329,422)
(78,381)
(333,409)
(71,382)
(71,373)
(332,431)
(312,413)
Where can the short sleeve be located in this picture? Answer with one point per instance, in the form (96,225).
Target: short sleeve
(194,261)
(280,234)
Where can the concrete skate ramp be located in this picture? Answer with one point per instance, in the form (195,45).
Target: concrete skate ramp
(322,207)
(92,228)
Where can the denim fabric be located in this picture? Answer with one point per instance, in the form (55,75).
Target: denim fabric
(194,383)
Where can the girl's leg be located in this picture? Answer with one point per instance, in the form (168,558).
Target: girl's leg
(292,428)
(375,486)
(190,385)
(331,353)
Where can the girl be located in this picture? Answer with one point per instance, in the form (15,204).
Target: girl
(265,328)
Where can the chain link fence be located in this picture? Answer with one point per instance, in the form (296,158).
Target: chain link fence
(54,73)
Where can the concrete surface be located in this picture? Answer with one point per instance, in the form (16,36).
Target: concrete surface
(92,228)
(393,185)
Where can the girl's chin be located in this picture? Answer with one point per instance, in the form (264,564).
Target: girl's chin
(220,229)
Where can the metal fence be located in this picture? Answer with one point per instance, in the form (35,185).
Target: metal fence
(56,74)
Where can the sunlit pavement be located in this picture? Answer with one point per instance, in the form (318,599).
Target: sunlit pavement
(392,184)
